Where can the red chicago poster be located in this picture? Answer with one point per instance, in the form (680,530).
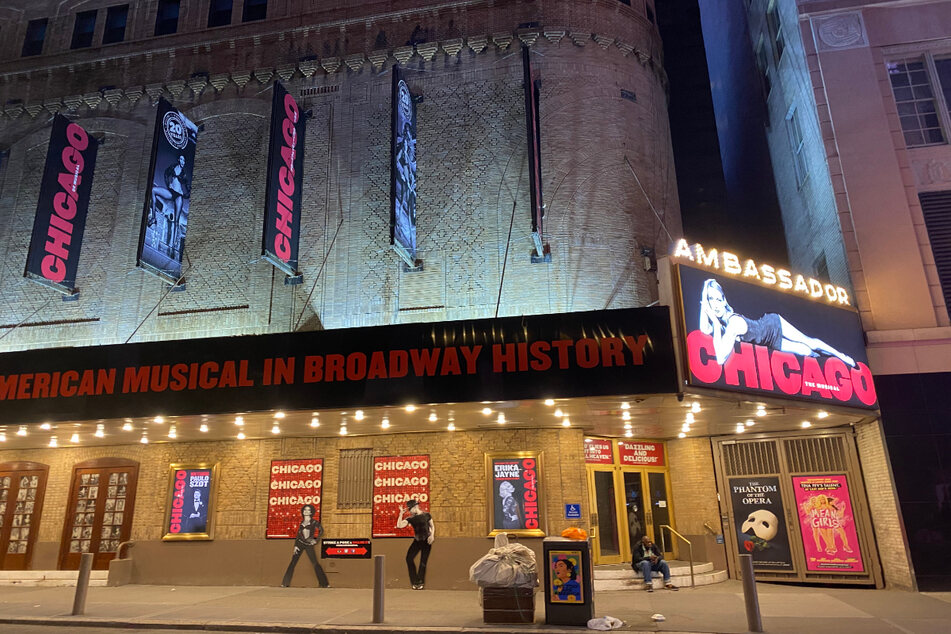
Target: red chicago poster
(397,479)
(294,483)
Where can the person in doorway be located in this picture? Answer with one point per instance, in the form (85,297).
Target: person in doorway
(308,533)
(718,319)
(424,532)
(648,559)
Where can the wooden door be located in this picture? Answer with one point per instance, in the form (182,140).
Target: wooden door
(99,511)
(22,489)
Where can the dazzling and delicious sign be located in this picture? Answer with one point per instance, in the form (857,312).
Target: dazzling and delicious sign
(514,495)
(165,216)
(61,210)
(397,480)
(827,523)
(403,171)
(641,453)
(625,351)
(190,511)
(285,179)
(743,337)
(760,522)
(293,484)
(598,451)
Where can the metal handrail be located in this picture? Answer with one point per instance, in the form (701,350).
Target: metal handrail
(663,547)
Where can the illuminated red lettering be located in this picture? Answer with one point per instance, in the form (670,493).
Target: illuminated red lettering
(285,204)
(53,265)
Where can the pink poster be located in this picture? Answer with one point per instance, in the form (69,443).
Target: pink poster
(828,524)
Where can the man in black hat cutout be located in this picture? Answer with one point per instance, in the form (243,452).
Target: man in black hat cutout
(424,533)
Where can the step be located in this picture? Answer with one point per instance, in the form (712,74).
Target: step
(624,571)
(50,578)
(682,581)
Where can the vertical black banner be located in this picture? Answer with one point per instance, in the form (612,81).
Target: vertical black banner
(61,210)
(285,162)
(533,128)
(760,522)
(403,171)
(165,215)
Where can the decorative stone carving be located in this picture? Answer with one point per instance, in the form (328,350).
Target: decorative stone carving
(241,77)
(840,31)
(33,109)
(92,99)
(502,40)
(427,50)
(308,67)
(642,57)
(603,41)
(176,88)
(154,91)
(219,81)
(579,38)
(72,102)
(53,105)
(286,72)
(627,49)
(197,83)
(932,172)
(330,64)
(112,96)
(477,43)
(355,62)
(555,34)
(528,37)
(14,110)
(133,94)
(403,54)
(263,75)
(452,47)
(378,58)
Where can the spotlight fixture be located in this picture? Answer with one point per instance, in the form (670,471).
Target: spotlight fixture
(626,416)
(549,402)
(628,434)
(241,435)
(127,427)
(315,422)
(565,422)
(486,410)
(343,430)
(386,423)
(3,436)
(690,417)
(100,431)
(172,432)
(21,431)
(695,407)
(74,438)
(144,439)
(432,417)
(239,421)
(685,427)
(411,408)
(501,418)
(760,411)
(559,413)
(740,428)
(279,415)
(749,422)
(203,429)
(159,420)
(451,427)
(276,429)
(46,427)
(628,426)
(53,442)
(358,415)
(822,414)
(681,435)
(806,424)
(625,405)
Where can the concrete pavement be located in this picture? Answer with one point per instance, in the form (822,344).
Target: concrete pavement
(717,608)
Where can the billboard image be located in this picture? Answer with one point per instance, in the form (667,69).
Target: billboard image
(514,496)
(567,583)
(61,210)
(293,484)
(743,337)
(165,216)
(827,521)
(403,171)
(189,512)
(285,178)
(760,528)
(397,480)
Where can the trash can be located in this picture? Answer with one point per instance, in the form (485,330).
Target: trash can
(508,605)
(569,591)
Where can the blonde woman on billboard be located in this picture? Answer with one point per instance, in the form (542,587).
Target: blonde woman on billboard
(718,319)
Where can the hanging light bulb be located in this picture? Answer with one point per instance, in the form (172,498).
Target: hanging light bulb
(74,438)
(760,410)
(315,422)
(100,431)
(628,426)
(21,431)
(806,424)
(279,415)
(685,427)
(740,428)
(53,442)
(172,432)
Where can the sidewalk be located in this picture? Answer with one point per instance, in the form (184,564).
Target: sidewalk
(717,608)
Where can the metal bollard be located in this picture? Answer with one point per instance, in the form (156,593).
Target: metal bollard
(82,584)
(378,583)
(754,620)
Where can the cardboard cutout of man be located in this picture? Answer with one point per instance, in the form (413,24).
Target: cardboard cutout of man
(308,533)
(424,533)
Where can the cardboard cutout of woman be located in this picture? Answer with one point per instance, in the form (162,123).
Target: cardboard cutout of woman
(308,533)
(424,532)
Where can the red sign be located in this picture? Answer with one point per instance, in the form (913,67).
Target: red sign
(598,451)
(294,483)
(346,548)
(397,479)
(641,454)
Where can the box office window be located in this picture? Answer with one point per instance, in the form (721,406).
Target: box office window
(355,479)
(35,34)
(83,29)
(116,19)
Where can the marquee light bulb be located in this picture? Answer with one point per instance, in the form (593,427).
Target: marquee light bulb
(3,436)
(385,424)
(740,428)
(761,412)
(46,427)
(100,431)
(239,421)
(559,413)
(681,435)
(241,435)
(21,431)
(276,429)
(501,418)
(628,434)
(486,410)
(685,427)
(410,408)
(626,416)
(53,442)
(144,439)
(172,432)
(343,430)
(203,429)
(822,414)
(565,422)
(695,407)
(628,426)
(358,414)
(279,415)
(74,438)
(432,417)
(690,417)
(314,422)
(806,424)
(625,405)
(159,420)
(451,427)
(127,427)
(548,401)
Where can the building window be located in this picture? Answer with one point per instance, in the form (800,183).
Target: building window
(796,143)
(83,29)
(775,27)
(936,208)
(254,10)
(821,267)
(762,63)
(116,18)
(355,479)
(943,71)
(166,18)
(219,13)
(915,99)
(35,34)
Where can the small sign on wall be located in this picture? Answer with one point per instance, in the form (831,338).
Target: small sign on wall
(572,511)
(346,548)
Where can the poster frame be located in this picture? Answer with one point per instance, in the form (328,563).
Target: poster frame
(490,495)
(320,492)
(209,533)
(407,253)
(424,504)
(552,557)
(857,546)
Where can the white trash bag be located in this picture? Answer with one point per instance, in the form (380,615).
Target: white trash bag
(605,623)
(506,565)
